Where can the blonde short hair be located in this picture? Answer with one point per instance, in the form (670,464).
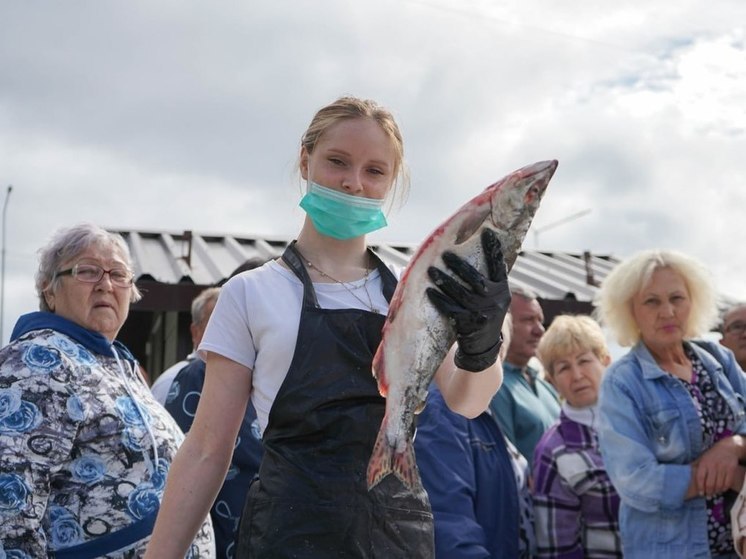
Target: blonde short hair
(627,279)
(568,334)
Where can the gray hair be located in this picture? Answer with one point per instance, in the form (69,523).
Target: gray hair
(524,292)
(65,245)
(726,314)
(200,302)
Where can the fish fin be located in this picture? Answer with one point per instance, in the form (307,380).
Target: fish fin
(405,468)
(385,460)
(472,223)
(379,373)
(381,458)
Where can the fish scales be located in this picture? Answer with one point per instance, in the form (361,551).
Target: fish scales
(416,337)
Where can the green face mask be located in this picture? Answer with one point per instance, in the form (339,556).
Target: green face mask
(339,215)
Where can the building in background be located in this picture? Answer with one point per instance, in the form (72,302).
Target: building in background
(173,268)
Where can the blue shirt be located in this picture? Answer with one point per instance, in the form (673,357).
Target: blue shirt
(468,475)
(524,412)
(649,435)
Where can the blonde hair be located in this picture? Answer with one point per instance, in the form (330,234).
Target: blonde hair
(347,108)
(568,334)
(627,279)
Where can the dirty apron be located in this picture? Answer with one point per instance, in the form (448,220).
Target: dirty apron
(311,498)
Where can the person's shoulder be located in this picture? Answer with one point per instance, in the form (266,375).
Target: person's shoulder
(623,366)
(437,413)
(270,270)
(550,446)
(46,350)
(272,277)
(512,376)
(188,381)
(193,370)
(548,386)
(712,349)
(550,440)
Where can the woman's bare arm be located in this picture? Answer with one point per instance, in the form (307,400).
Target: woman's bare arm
(198,471)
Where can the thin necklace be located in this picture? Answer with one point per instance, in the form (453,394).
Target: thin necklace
(349,290)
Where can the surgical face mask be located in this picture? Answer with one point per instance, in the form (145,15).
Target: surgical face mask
(339,215)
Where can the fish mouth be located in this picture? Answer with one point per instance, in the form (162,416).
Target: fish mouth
(539,174)
(521,196)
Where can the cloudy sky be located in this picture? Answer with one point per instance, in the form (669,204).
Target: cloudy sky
(165,115)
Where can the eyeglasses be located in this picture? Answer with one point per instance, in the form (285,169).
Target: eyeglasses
(736,328)
(90,273)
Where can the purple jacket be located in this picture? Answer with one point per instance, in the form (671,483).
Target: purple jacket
(576,507)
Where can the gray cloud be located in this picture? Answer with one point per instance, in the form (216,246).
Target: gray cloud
(173,116)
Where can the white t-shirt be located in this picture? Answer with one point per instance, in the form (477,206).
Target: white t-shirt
(256,320)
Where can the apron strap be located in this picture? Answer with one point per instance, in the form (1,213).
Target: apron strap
(388,279)
(291,257)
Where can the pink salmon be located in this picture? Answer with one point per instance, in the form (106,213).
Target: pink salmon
(416,337)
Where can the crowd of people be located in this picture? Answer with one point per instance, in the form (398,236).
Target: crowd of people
(533,441)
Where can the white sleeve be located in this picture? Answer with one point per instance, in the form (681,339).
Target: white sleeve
(228,331)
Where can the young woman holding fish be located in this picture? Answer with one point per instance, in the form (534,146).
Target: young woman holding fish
(298,336)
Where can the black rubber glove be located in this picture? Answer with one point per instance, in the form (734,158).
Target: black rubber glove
(477,310)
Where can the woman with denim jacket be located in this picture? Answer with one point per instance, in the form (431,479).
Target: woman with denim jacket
(672,411)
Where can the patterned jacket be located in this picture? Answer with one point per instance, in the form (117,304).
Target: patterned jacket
(84,447)
(576,508)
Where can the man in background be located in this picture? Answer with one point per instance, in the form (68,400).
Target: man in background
(733,329)
(202,307)
(526,405)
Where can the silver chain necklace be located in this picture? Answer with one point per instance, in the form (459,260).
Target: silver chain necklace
(349,290)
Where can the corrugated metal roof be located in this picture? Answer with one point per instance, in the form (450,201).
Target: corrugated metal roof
(189,257)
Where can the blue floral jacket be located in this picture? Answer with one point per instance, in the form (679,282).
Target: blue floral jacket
(84,447)
(649,435)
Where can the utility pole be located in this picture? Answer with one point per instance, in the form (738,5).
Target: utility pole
(562,221)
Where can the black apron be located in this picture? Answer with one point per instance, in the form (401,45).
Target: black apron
(311,498)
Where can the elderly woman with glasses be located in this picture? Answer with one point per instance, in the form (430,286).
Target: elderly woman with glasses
(84,448)
(672,410)
(733,330)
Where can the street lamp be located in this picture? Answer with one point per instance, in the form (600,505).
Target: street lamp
(572,217)
(2,271)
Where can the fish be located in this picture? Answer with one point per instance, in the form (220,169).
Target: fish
(416,337)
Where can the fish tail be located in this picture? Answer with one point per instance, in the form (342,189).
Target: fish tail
(386,460)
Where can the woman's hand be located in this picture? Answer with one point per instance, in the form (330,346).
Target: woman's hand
(476,307)
(718,469)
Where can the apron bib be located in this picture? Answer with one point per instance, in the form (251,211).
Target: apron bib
(311,498)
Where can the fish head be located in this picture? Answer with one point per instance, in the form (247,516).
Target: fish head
(514,201)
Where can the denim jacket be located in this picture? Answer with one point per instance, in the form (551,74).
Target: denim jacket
(649,435)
